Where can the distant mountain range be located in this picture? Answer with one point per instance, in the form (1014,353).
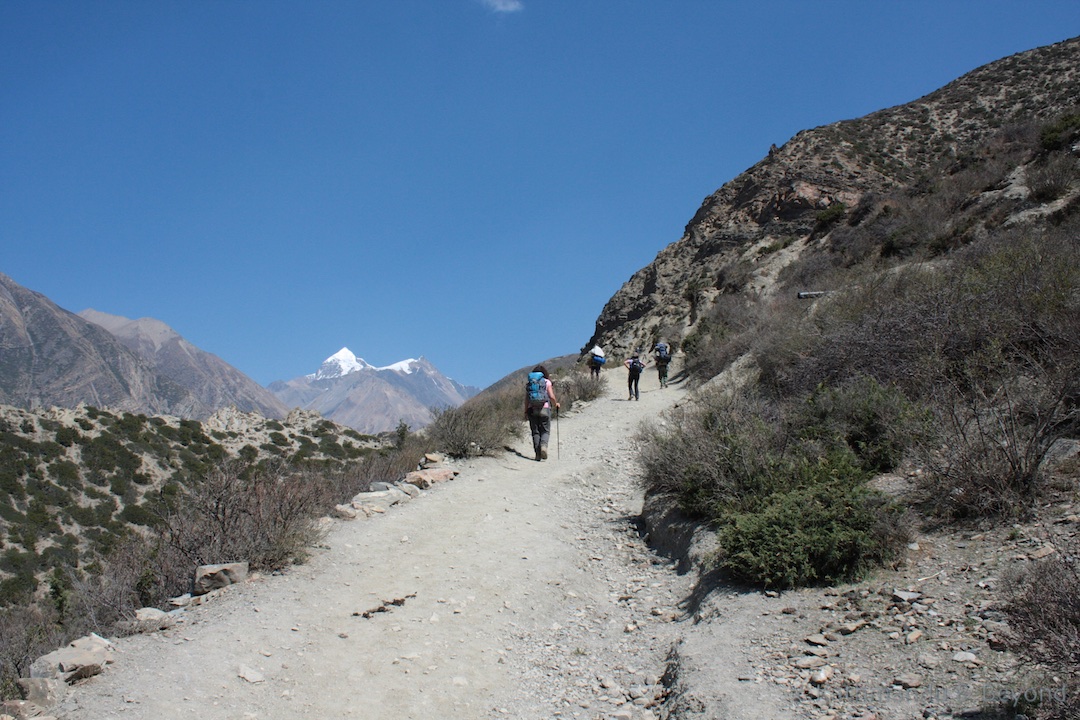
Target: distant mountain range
(351,392)
(50,357)
(211,381)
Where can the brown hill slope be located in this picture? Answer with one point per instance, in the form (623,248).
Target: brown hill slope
(49,356)
(213,381)
(783,201)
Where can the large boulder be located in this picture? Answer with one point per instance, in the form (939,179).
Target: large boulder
(82,658)
(213,577)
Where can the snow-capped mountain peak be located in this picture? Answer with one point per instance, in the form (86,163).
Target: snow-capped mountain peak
(339,364)
(404,366)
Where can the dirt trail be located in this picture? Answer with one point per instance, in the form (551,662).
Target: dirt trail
(524,591)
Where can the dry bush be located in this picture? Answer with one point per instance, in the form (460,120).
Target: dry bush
(709,453)
(136,573)
(1043,611)
(782,341)
(236,512)
(987,456)
(26,633)
(814,269)
(386,465)
(1050,179)
(991,339)
(575,386)
(482,426)
(726,334)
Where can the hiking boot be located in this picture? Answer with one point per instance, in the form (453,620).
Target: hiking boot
(543,454)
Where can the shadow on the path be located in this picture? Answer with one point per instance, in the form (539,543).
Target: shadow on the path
(515,451)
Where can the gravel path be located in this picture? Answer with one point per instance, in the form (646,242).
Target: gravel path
(519,589)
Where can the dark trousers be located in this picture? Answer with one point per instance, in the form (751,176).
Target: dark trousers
(540,427)
(632,384)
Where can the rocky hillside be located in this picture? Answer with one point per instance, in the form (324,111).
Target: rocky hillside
(792,197)
(72,481)
(49,356)
(212,381)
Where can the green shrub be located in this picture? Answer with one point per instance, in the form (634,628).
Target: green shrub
(833,529)
(790,499)
(67,436)
(876,422)
(829,216)
(1059,133)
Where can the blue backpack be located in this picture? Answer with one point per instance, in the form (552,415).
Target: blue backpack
(536,387)
(663,355)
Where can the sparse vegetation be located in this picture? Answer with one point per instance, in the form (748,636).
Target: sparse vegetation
(482,426)
(948,339)
(784,484)
(102,523)
(1043,610)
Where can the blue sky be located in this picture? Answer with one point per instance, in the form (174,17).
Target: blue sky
(467,180)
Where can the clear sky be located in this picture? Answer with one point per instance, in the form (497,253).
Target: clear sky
(467,180)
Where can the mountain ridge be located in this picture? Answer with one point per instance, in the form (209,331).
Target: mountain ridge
(777,201)
(53,357)
(215,383)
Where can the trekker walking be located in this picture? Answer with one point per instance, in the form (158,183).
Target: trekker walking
(539,399)
(634,366)
(662,357)
(596,361)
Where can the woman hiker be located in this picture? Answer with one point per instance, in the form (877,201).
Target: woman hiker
(539,399)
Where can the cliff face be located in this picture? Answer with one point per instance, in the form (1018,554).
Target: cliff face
(783,200)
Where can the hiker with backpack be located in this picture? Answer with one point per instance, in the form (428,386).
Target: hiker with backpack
(662,357)
(539,400)
(596,361)
(634,366)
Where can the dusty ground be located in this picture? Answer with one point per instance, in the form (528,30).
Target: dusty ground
(526,590)
(527,593)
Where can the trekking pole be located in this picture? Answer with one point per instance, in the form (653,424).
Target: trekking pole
(557,448)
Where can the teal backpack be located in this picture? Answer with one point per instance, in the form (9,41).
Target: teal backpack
(536,387)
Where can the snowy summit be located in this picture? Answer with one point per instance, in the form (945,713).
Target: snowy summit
(404,366)
(339,364)
(344,362)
